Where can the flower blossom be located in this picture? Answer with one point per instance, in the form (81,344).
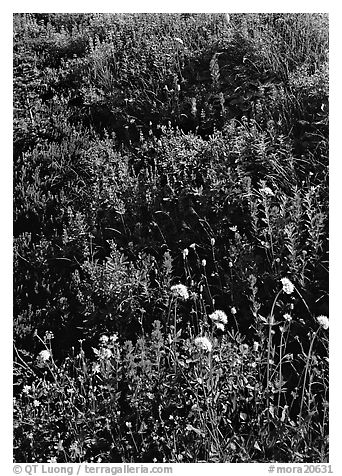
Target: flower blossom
(104,339)
(44,356)
(288,287)
(26,389)
(203,343)
(180,291)
(287,317)
(219,318)
(105,353)
(323,321)
(266,191)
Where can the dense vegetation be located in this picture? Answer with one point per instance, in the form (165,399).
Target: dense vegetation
(170,237)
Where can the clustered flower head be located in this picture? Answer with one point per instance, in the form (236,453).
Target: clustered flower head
(287,317)
(104,339)
(44,356)
(288,287)
(219,318)
(203,343)
(267,191)
(105,353)
(323,321)
(180,291)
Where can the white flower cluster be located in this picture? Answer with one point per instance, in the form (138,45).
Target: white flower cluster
(288,287)
(43,357)
(323,321)
(180,291)
(219,318)
(203,343)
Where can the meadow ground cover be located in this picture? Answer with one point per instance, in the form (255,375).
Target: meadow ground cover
(171,238)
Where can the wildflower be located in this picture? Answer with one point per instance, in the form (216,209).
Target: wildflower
(105,353)
(113,338)
(204,263)
(49,335)
(36,403)
(255,346)
(203,343)
(323,321)
(230,264)
(193,246)
(129,424)
(212,241)
(96,368)
(287,317)
(44,355)
(266,191)
(180,291)
(26,389)
(288,287)
(233,310)
(185,253)
(104,339)
(53,459)
(219,318)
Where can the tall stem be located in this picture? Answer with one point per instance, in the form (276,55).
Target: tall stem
(269,346)
(306,374)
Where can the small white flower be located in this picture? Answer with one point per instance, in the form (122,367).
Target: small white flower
(185,253)
(233,310)
(230,264)
(204,263)
(266,191)
(36,403)
(44,355)
(193,246)
(180,291)
(104,339)
(113,338)
(219,318)
(323,321)
(287,317)
(203,343)
(288,287)
(26,389)
(96,368)
(129,424)
(105,353)
(212,241)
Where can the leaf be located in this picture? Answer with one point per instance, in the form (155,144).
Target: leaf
(196,430)
(257,447)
